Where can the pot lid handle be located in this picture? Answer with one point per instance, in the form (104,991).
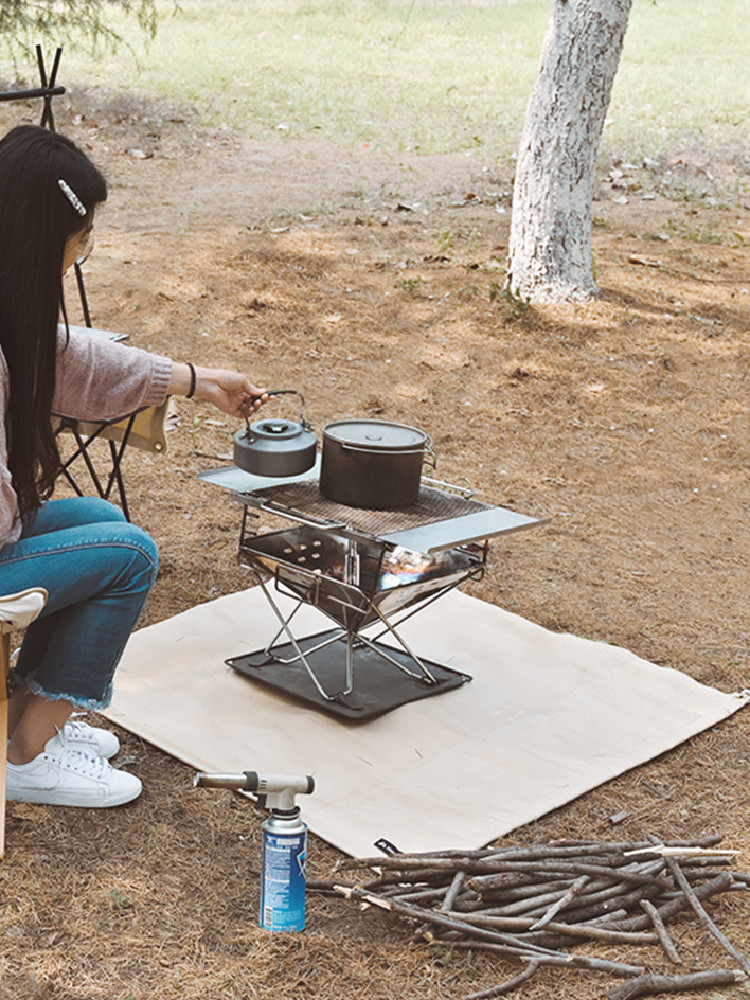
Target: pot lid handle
(283,392)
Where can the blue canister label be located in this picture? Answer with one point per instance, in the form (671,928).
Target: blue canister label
(282,891)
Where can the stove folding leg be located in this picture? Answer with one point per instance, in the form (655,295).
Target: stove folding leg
(284,622)
(284,630)
(285,661)
(349,663)
(425,676)
(352,639)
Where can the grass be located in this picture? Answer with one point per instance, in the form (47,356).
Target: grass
(681,76)
(425,75)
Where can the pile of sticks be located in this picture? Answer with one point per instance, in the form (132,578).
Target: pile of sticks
(532,904)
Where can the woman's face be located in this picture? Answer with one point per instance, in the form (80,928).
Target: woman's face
(79,246)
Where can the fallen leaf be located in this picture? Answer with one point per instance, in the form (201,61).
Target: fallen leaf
(632,259)
(23,810)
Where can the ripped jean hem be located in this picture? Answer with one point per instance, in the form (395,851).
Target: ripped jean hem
(78,701)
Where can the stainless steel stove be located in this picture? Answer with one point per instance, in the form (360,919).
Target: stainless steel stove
(367,571)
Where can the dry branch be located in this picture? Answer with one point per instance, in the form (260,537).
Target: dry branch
(648,985)
(582,931)
(664,938)
(560,960)
(453,890)
(704,918)
(561,903)
(722,883)
(508,986)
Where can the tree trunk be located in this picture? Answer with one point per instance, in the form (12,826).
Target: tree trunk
(549,258)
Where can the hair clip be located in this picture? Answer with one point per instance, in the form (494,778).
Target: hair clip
(72,197)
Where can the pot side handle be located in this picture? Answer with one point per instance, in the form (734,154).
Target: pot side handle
(426,450)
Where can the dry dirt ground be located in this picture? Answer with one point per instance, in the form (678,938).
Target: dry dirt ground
(373,288)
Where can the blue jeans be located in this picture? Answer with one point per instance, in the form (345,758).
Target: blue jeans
(98,569)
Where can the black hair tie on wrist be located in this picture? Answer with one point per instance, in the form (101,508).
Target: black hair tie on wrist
(191,392)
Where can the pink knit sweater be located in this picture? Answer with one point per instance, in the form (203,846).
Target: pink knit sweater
(96,379)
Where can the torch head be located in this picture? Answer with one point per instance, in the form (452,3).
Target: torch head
(274,791)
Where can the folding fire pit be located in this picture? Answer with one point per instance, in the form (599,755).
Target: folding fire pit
(364,569)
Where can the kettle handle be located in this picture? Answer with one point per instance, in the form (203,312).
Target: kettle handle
(282,392)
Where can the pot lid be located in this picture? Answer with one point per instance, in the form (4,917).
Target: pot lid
(276,429)
(375,434)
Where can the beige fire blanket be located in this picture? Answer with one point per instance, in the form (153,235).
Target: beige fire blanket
(545,718)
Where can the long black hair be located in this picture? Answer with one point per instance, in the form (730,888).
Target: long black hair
(37,218)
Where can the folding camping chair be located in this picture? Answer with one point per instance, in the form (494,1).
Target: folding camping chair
(144,429)
(47,91)
(17,611)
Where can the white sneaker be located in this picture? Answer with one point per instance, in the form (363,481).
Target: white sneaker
(70,778)
(79,735)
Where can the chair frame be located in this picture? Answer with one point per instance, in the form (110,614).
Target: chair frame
(5,662)
(17,611)
(116,452)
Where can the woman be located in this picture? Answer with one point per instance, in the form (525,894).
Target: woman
(97,567)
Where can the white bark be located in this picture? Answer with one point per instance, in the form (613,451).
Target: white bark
(549,256)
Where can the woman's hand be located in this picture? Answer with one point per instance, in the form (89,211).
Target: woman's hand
(229,391)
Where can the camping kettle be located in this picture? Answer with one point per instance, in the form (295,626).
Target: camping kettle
(276,447)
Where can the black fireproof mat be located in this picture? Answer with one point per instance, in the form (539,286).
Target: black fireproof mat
(379,686)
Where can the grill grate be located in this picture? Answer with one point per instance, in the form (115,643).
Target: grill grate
(305,498)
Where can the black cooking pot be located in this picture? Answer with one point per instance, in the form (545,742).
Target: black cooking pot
(372,463)
(276,447)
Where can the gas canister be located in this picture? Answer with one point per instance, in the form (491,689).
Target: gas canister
(284,856)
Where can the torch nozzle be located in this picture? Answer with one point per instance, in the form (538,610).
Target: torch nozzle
(203,780)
